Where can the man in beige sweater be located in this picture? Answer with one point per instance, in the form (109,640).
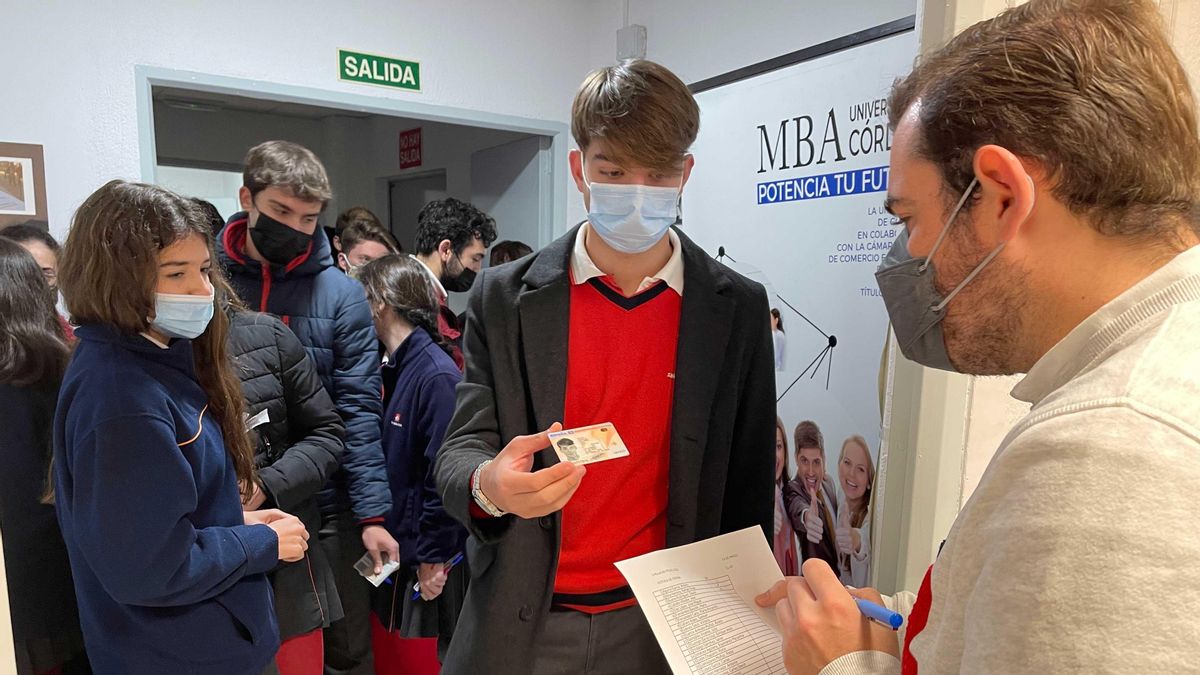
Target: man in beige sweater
(1046,167)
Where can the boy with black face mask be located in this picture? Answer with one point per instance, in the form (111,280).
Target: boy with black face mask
(452,238)
(278,262)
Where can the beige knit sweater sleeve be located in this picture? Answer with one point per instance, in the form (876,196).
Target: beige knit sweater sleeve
(1079,553)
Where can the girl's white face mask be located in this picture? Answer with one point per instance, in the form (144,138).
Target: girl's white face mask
(182,316)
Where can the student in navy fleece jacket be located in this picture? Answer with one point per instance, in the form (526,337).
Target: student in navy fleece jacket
(150,449)
(278,261)
(405,309)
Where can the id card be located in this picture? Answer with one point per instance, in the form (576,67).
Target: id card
(586,445)
(366,567)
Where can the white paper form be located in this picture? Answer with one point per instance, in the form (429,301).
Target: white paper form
(699,600)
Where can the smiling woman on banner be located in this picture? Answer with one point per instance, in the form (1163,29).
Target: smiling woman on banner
(856,478)
(150,448)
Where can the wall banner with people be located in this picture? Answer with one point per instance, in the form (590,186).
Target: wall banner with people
(788,188)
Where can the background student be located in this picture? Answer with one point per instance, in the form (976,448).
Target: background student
(420,404)
(44,248)
(361,242)
(507,251)
(33,355)
(278,261)
(298,446)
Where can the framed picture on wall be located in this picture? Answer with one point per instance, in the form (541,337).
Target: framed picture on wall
(22,183)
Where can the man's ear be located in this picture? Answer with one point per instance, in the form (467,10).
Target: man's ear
(1006,193)
(245,199)
(445,249)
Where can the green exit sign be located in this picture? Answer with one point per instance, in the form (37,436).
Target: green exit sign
(382,70)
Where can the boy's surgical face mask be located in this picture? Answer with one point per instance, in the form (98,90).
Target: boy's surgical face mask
(631,217)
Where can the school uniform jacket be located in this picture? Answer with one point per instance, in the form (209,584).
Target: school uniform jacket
(169,578)
(328,311)
(414,426)
(299,448)
(722,458)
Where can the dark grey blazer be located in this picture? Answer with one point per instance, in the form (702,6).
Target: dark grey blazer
(722,433)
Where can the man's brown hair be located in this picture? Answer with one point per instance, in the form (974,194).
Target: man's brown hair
(645,114)
(286,165)
(808,435)
(108,275)
(1090,91)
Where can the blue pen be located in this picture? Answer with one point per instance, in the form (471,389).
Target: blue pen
(879,613)
(453,561)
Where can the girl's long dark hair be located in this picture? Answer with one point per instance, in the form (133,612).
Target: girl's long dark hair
(401,283)
(108,275)
(33,347)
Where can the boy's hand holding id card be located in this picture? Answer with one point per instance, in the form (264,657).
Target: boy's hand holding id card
(586,445)
(366,567)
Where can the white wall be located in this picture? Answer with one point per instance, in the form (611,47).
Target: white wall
(77,91)
(698,39)
(77,95)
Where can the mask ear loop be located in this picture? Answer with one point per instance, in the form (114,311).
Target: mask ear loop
(984,263)
(946,228)
(583,172)
(975,272)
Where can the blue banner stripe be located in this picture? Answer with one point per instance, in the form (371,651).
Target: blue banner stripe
(837,184)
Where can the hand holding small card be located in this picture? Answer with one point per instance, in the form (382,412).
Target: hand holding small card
(586,445)
(366,567)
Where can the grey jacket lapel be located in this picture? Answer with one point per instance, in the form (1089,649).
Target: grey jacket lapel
(544,309)
(705,324)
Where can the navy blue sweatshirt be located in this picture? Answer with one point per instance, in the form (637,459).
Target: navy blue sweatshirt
(169,578)
(414,424)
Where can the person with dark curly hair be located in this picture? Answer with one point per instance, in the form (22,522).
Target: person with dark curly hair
(452,238)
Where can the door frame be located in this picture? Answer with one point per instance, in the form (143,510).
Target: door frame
(552,156)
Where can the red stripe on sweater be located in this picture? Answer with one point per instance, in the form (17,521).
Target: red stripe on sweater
(916,623)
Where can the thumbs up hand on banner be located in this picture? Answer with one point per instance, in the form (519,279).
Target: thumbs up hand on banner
(814,527)
(845,542)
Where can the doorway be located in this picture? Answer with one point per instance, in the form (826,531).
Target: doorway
(406,197)
(207,122)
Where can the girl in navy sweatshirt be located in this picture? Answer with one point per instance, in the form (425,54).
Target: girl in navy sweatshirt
(151,457)
(419,406)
